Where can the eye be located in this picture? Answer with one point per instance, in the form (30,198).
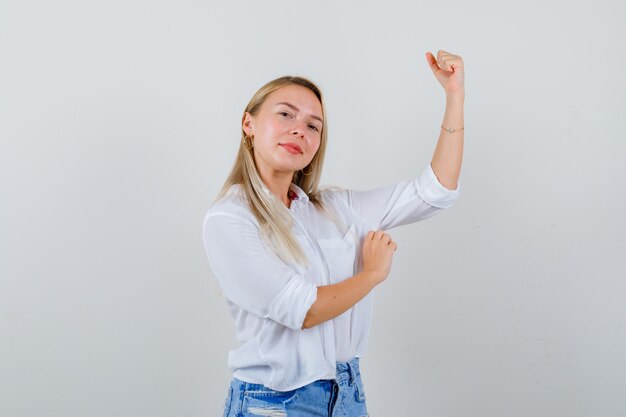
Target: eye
(284,112)
(314,127)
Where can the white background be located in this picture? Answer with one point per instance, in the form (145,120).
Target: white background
(120,120)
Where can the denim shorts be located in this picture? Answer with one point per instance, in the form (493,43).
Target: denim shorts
(340,397)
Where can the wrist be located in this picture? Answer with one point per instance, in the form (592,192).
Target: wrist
(455,95)
(371,277)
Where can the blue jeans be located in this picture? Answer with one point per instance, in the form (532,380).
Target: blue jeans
(340,397)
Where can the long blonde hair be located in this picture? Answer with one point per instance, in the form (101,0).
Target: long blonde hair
(273,216)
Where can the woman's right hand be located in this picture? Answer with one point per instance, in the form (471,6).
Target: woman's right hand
(378,249)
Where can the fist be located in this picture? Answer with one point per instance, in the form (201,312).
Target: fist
(449,71)
(378,249)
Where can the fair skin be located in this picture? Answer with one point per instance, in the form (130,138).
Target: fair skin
(272,129)
(289,115)
(449,70)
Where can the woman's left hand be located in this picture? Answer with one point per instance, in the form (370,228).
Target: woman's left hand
(449,71)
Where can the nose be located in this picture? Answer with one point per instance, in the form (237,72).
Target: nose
(297,130)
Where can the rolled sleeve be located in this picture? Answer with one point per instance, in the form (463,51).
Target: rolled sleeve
(251,275)
(292,303)
(433,192)
(401,203)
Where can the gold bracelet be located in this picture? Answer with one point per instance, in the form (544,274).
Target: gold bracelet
(452,130)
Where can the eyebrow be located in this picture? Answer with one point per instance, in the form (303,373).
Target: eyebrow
(297,109)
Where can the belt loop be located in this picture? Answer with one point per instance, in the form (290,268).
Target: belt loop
(352,372)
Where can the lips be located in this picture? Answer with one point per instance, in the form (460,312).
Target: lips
(292,147)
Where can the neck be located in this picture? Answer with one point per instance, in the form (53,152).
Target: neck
(278,183)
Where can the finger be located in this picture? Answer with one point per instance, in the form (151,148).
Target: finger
(378,235)
(446,59)
(446,63)
(370,235)
(449,61)
(441,54)
(432,63)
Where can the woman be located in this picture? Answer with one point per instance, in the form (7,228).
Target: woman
(297,264)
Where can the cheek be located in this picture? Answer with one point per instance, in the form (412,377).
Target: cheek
(270,129)
(316,145)
(276,125)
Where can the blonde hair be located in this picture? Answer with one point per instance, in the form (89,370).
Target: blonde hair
(273,216)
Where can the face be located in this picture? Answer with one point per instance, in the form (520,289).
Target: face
(287,130)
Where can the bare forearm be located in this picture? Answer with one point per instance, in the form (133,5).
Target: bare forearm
(334,299)
(446,162)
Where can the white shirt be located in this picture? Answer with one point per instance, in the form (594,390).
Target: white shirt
(269,298)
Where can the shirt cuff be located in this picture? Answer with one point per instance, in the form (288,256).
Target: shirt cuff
(293,302)
(433,192)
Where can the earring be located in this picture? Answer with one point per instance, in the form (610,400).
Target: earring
(251,137)
(310,171)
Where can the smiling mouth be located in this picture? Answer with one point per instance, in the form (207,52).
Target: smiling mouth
(291,149)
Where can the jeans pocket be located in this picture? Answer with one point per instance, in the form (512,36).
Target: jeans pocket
(269,395)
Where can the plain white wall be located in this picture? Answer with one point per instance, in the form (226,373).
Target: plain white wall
(119,122)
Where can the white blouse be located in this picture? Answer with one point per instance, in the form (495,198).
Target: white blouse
(269,298)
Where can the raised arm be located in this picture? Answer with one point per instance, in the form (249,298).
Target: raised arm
(446,162)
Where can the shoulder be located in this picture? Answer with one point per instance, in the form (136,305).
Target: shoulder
(335,197)
(332,192)
(232,205)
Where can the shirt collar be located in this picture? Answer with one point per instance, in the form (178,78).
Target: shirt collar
(298,196)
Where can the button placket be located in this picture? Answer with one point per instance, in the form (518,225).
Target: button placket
(328,330)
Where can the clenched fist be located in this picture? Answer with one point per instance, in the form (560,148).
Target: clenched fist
(449,71)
